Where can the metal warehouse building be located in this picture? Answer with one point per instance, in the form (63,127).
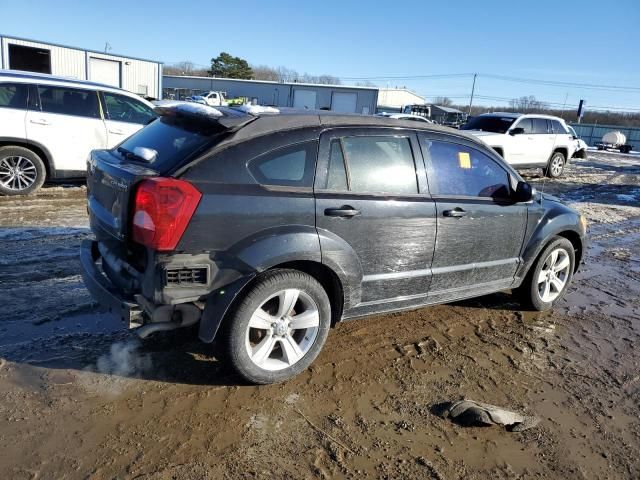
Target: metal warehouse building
(339,98)
(137,75)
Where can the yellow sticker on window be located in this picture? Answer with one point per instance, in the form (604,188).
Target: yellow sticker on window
(464,160)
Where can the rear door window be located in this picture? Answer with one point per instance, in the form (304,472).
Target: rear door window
(121,108)
(291,166)
(540,126)
(13,95)
(69,101)
(380,165)
(458,170)
(337,175)
(558,129)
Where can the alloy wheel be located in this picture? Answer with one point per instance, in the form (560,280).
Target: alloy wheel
(17,173)
(554,274)
(556,165)
(282,330)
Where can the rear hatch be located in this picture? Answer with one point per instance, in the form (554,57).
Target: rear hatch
(181,133)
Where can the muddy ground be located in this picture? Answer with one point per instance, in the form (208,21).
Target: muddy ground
(81,398)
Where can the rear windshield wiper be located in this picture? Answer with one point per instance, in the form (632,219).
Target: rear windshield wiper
(141,154)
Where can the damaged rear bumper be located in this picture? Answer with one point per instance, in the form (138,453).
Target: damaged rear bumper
(101,288)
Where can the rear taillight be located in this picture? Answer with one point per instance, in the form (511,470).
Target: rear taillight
(162,210)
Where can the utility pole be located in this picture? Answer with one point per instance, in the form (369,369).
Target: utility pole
(564,105)
(473,89)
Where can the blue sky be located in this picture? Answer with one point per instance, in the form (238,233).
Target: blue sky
(560,41)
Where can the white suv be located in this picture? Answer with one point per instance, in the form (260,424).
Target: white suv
(526,141)
(48,126)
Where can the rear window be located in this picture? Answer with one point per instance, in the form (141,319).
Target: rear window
(173,139)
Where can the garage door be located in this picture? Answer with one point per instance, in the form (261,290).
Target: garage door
(304,99)
(344,102)
(104,71)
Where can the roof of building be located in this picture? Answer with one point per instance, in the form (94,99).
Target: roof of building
(241,80)
(10,37)
(32,77)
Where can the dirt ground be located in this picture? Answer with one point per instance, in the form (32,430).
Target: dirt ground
(80,397)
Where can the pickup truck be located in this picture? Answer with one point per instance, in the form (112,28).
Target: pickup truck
(212,98)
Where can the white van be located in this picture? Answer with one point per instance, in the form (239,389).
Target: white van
(48,126)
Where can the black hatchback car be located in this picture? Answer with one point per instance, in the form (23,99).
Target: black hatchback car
(267,229)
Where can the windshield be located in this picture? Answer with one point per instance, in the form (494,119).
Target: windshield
(173,139)
(492,123)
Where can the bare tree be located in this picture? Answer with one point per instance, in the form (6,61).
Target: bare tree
(443,101)
(264,72)
(185,67)
(527,104)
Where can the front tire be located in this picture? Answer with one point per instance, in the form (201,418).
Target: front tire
(22,171)
(548,279)
(556,165)
(278,328)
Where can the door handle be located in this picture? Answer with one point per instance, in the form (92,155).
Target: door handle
(40,121)
(344,211)
(116,131)
(456,212)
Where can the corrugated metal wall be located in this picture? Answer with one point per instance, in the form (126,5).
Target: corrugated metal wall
(137,75)
(65,62)
(266,93)
(593,133)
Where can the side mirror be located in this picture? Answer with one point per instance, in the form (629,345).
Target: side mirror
(516,131)
(523,193)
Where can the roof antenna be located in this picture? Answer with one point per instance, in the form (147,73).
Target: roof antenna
(107,47)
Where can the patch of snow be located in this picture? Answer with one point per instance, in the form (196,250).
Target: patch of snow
(190,108)
(256,109)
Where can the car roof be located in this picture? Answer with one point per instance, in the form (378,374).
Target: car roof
(518,115)
(290,119)
(31,77)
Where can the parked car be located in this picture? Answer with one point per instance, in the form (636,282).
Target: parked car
(213,99)
(50,124)
(405,116)
(526,141)
(580,145)
(270,229)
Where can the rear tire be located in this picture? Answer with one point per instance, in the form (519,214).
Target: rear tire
(555,166)
(22,171)
(548,279)
(278,328)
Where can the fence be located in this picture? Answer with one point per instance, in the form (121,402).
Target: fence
(592,133)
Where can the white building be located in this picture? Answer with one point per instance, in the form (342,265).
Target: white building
(393,99)
(137,75)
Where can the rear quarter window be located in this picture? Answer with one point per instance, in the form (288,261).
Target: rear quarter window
(292,166)
(13,95)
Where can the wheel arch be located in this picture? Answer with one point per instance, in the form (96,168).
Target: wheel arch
(563,150)
(36,148)
(221,302)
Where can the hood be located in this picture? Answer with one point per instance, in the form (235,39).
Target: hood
(547,197)
(484,135)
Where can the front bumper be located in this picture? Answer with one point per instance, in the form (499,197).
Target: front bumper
(101,288)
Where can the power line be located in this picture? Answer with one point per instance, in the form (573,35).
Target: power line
(555,83)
